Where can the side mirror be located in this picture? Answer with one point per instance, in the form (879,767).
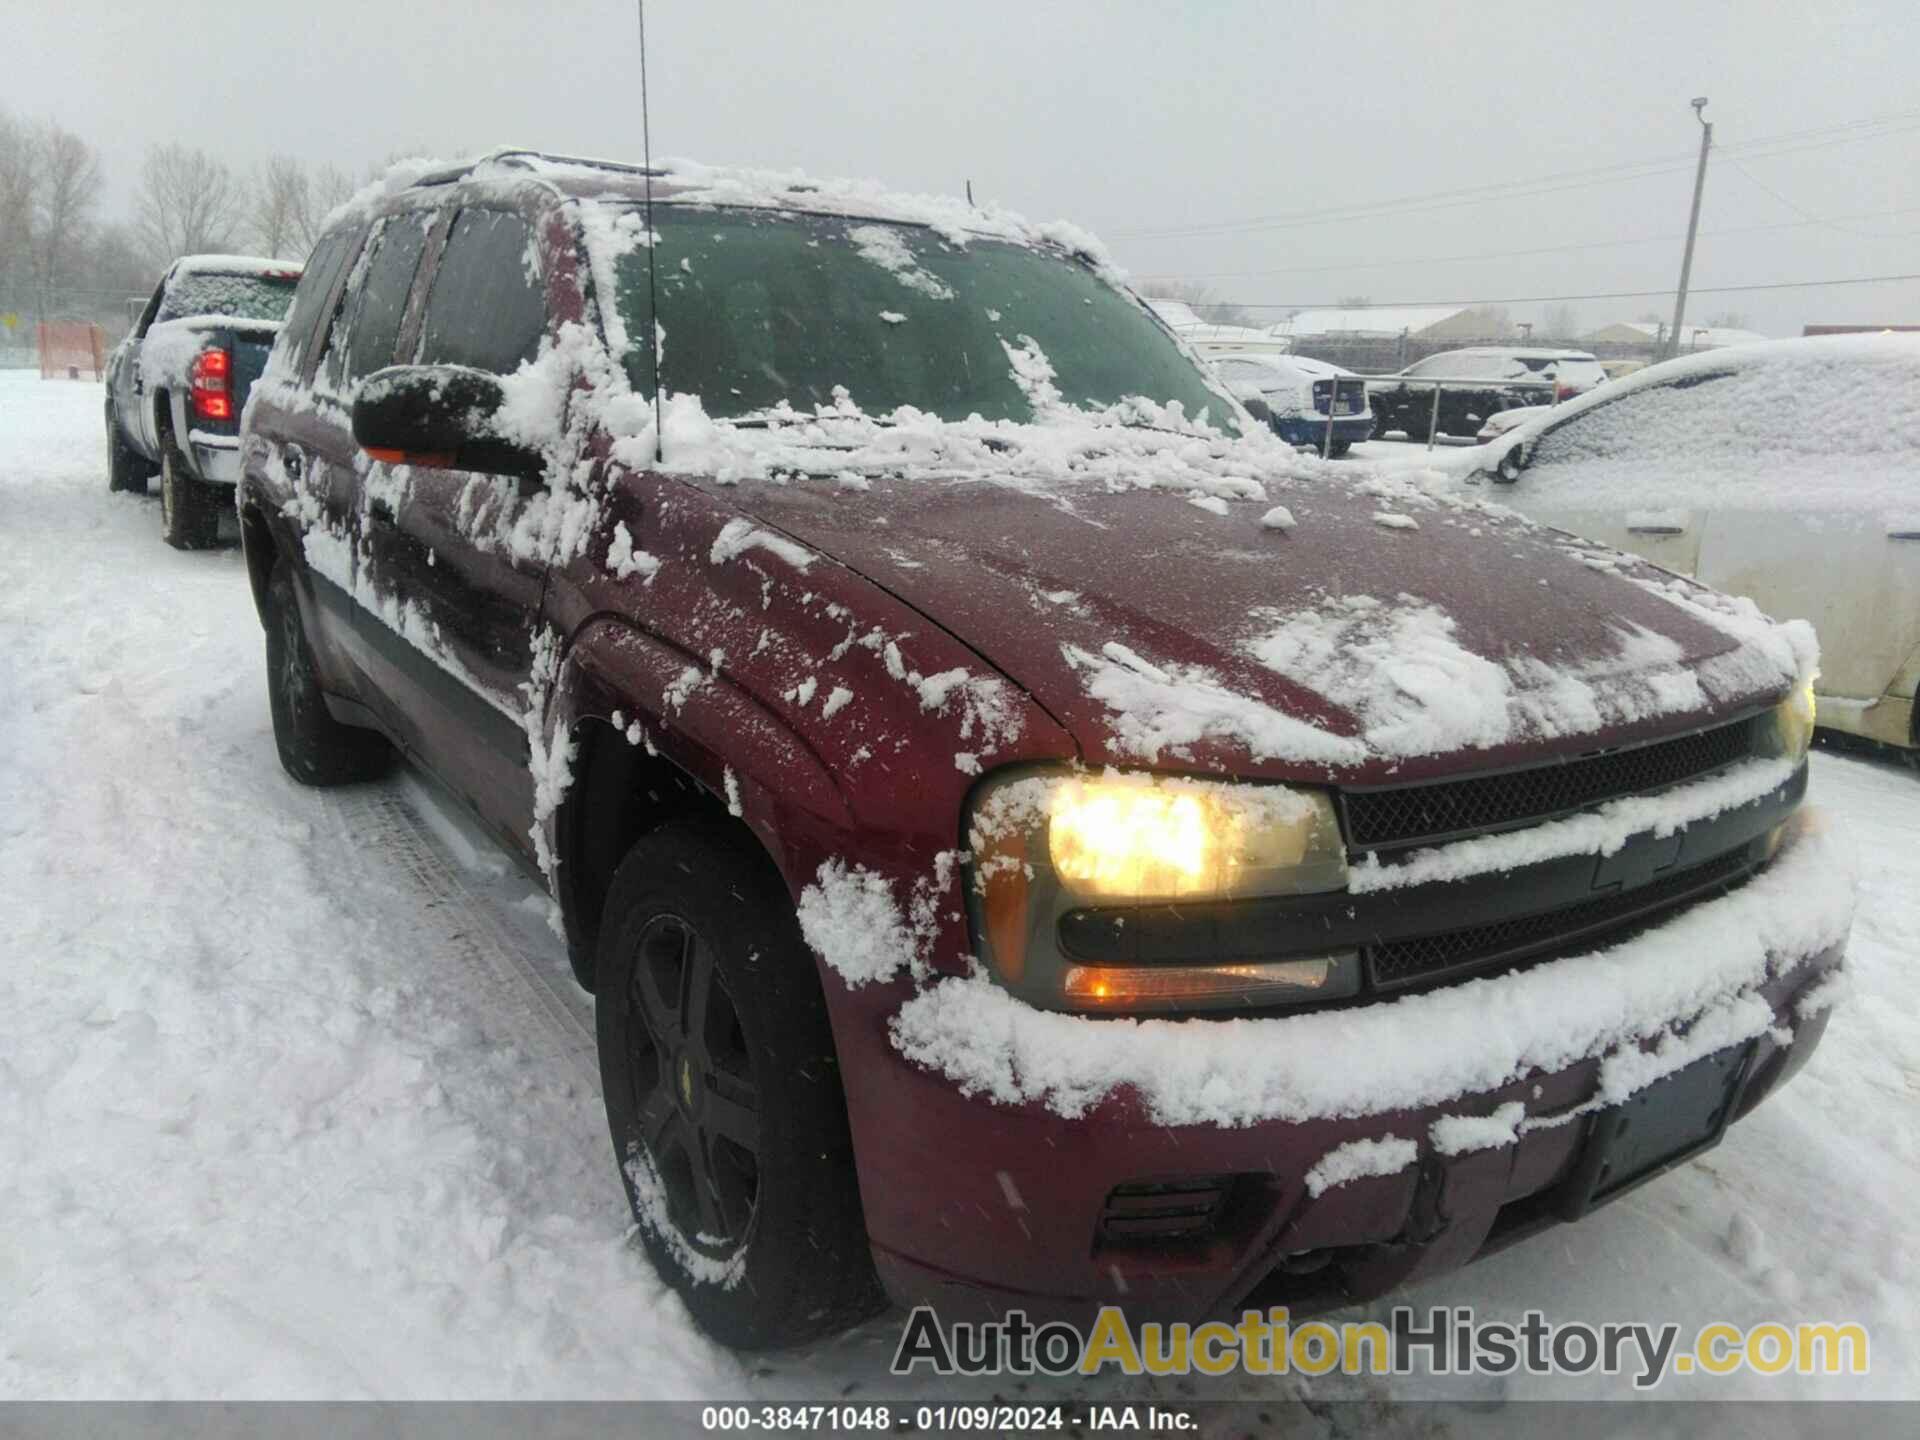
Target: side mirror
(1257,407)
(439,416)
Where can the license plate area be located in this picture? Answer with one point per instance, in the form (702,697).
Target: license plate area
(1664,1125)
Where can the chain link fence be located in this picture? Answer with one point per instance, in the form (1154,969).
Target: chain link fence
(25,307)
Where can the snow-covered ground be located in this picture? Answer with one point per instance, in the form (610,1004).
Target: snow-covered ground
(298,1099)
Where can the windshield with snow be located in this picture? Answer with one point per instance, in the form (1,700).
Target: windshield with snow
(758,308)
(246,297)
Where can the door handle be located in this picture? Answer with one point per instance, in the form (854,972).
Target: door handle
(1656,529)
(294,462)
(1903,534)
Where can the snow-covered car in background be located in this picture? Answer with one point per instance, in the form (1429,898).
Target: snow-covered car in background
(932,725)
(1504,422)
(1295,394)
(177,384)
(1211,341)
(1488,374)
(1786,470)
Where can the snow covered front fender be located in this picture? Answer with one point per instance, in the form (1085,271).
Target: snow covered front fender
(700,720)
(635,733)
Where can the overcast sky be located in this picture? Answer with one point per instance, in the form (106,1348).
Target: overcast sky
(1127,118)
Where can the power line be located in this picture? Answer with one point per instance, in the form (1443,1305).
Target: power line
(1541,249)
(1807,218)
(1413,204)
(1760,147)
(1549,299)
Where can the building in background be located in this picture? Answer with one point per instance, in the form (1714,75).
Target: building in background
(1653,335)
(1380,339)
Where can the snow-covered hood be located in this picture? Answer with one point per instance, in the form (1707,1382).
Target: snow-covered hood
(1786,406)
(1357,627)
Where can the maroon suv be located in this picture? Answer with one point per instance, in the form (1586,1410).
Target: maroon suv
(1030,841)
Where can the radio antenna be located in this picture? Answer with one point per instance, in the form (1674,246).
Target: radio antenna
(653,295)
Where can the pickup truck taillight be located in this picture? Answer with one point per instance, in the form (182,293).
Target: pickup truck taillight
(210,382)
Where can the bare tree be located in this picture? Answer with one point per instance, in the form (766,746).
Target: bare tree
(1559,322)
(19,191)
(277,204)
(188,202)
(326,188)
(1728,320)
(1354,302)
(116,262)
(63,208)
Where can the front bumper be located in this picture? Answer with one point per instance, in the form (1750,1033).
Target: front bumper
(978,1206)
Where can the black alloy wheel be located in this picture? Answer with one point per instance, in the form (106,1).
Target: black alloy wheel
(694,1093)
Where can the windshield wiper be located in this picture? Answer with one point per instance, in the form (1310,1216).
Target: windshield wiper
(779,419)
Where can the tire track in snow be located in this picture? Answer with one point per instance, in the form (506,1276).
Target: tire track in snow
(515,990)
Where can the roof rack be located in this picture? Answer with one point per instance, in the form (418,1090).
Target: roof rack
(520,156)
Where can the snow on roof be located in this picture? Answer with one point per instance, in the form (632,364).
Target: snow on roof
(684,182)
(1177,313)
(1287,367)
(1217,340)
(1524,352)
(234,265)
(1368,320)
(1695,337)
(1214,341)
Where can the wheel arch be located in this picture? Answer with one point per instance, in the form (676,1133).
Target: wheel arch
(645,750)
(260,548)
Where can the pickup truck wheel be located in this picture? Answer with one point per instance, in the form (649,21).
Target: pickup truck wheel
(723,1094)
(126,471)
(189,508)
(315,748)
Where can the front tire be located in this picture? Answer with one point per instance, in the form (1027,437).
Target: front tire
(723,1093)
(189,508)
(315,748)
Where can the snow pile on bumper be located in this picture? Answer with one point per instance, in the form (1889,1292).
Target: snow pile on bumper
(1695,977)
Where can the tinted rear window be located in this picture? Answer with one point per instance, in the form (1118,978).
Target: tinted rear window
(323,268)
(377,310)
(247,297)
(488,307)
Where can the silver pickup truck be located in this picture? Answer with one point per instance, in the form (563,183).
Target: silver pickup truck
(177,384)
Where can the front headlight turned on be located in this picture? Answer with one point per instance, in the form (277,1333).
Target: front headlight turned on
(1788,733)
(1131,893)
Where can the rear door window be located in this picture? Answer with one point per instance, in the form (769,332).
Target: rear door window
(370,325)
(323,268)
(488,305)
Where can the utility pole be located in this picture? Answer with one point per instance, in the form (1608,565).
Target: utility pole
(1693,226)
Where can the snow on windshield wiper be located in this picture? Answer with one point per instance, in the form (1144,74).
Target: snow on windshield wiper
(770,419)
